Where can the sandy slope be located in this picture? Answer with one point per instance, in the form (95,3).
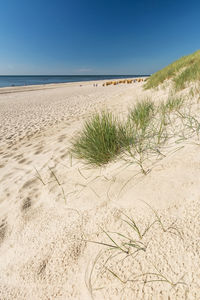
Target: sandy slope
(43,228)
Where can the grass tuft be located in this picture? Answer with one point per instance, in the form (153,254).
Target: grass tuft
(141,138)
(173,104)
(141,115)
(140,120)
(101,139)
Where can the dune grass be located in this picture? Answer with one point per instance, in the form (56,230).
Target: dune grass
(182,71)
(142,138)
(172,104)
(141,115)
(132,243)
(152,127)
(191,73)
(139,123)
(101,139)
(104,136)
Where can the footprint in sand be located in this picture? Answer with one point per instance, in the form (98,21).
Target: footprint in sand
(26,204)
(22,161)
(3,229)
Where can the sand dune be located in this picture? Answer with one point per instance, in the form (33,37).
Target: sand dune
(46,223)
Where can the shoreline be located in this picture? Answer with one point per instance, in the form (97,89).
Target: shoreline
(25,111)
(35,87)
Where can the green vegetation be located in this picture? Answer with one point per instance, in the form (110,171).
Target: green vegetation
(139,140)
(102,138)
(130,242)
(141,115)
(140,123)
(182,71)
(151,126)
(192,73)
(172,104)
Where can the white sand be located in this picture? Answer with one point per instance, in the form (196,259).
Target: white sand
(43,227)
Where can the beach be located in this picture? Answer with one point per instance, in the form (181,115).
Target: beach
(54,207)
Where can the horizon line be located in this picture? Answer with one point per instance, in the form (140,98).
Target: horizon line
(77,75)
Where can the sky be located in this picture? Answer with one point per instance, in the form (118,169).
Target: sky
(63,37)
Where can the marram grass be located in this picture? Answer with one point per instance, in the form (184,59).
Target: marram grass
(141,115)
(172,104)
(182,71)
(191,73)
(101,139)
(140,137)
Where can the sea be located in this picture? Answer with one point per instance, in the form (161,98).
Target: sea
(20,80)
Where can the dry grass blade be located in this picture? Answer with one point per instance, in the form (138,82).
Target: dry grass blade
(167,229)
(39,177)
(82,174)
(89,282)
(132,243)
(59,184)
(116,245)
(105,244)
(159,278)
(133,225)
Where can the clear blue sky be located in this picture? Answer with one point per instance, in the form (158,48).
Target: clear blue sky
(95,36)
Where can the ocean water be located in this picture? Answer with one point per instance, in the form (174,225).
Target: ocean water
(7,81)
